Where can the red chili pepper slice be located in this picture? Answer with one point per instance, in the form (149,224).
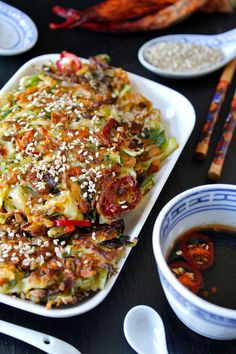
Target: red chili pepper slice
(188,275)
(198,249)
(68,62)
(119,196)
(110,132)
(66,222)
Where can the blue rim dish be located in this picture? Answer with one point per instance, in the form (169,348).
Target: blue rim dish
(221,199)
(20,26)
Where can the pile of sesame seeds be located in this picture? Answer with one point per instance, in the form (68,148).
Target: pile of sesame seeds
(182,56)
(54,101)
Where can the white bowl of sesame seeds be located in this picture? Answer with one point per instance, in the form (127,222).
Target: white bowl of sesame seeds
(185,56)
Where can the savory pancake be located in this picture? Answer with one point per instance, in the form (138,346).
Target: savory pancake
(78,150)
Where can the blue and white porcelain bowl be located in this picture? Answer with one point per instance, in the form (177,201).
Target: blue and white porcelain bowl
(199,206)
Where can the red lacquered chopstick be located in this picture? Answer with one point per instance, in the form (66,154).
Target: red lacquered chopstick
(224,142)
(221,89)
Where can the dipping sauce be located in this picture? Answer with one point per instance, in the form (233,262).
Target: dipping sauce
(182,56)
(204,260)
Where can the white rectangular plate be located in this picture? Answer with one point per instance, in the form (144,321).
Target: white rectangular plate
(179,116)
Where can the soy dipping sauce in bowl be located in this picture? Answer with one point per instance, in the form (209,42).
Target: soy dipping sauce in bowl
(204,260)
(208,308)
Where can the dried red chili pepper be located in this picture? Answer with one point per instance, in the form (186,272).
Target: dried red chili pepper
(188,275)
(115,15)
(110,10)
(198,249)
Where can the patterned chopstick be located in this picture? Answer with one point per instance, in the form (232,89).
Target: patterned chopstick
(223,144)
(212,117)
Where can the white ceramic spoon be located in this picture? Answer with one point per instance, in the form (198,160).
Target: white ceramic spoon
(144,331)
(225,41)
(43,341)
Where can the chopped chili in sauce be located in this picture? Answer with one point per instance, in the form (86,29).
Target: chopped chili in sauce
(198,249)
(188,275)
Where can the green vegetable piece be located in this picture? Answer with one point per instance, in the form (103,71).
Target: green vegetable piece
(104,57)
(31,81)
(132,152)
(102,279)
(157,137)
(147,184)
(3,115)
(170,146)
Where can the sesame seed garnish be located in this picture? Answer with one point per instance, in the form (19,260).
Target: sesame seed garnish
(122,202)
(179,252)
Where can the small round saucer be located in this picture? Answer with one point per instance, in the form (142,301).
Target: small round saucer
(226,42)
(18,31)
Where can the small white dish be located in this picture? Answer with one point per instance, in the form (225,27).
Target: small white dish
(224,41)
(179,117)
(18,31)
(203,205)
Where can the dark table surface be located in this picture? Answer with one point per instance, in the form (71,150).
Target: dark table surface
(100,331)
